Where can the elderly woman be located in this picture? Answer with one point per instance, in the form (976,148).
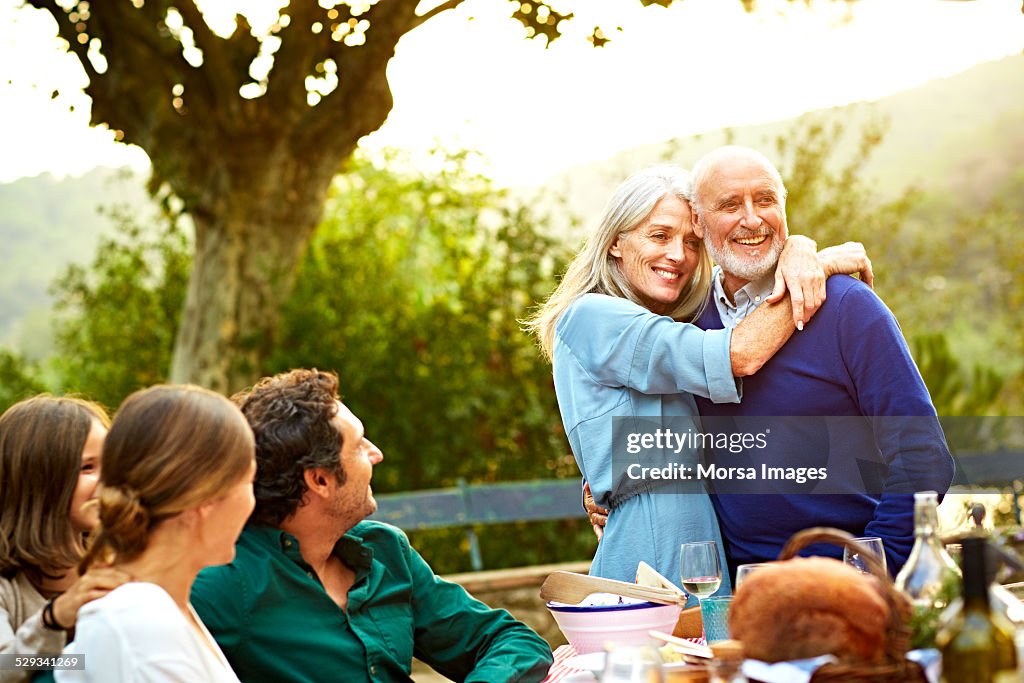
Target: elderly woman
(626,360)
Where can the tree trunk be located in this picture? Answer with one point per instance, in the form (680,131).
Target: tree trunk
(247,249)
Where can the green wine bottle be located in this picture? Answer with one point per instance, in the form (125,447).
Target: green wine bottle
(977,642)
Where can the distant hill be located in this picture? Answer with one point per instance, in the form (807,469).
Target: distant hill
(45,224)
(964,133)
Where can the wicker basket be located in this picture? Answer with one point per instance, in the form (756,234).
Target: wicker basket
(895,668)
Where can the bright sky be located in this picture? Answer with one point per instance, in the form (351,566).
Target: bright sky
(468,78)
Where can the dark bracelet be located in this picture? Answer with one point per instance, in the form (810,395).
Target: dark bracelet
(49,621)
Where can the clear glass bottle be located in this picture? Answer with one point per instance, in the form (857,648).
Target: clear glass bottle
(976,641)
(930,578)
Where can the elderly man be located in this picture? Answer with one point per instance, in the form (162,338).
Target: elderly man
(316,592)
(850,360)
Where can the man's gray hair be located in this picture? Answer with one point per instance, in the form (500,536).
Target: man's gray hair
(703,167)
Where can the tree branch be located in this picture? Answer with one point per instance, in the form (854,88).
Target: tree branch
(286,90)
(244,47)
(66,30)
(215,62)
(427,16)
(363,98)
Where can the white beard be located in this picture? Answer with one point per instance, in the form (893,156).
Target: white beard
(745,268)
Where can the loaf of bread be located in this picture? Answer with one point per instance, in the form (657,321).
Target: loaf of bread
(807,607)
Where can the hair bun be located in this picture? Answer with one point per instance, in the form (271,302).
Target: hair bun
(124,519)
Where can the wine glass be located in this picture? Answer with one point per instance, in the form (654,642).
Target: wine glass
(745,570)
(874,545)
(699,568)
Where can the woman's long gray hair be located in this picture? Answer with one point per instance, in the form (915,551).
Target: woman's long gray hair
(595,270)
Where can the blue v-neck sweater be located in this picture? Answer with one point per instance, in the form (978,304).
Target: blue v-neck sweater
(850,360)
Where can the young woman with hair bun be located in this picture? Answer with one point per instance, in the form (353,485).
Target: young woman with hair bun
(50,456)
(175,492)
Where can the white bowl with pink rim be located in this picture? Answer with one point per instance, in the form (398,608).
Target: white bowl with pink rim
(603,618)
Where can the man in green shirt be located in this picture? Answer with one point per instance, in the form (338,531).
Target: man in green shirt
(315,592)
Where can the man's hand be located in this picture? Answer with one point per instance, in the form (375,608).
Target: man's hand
(598,515)
(847,259)
(802,273)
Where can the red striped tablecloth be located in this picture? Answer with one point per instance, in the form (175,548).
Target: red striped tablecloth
(559,669)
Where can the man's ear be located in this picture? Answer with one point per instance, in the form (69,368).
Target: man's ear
(616,248)
(696,222)
(318,481)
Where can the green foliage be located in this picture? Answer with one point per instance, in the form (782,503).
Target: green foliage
(989,244)
(970,285)
(959,391)
(945,261)
(117,318)
(412,291)
(829,198)
(832,200)
(955,390)
(18,379)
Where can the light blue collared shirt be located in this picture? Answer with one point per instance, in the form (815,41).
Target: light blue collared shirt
(614,360)
(748,297)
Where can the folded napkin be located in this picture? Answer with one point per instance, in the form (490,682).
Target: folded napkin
(930,660)
(797,671)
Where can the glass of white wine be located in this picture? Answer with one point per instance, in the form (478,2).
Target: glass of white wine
(699,569)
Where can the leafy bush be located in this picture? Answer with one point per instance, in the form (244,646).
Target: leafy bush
(18,379)
(117,318)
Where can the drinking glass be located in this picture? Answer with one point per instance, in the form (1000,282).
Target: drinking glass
(699,569)
(714,615)
(632,664)
(872,544)
(745,570)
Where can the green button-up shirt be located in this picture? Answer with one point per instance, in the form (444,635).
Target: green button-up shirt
(275,622)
